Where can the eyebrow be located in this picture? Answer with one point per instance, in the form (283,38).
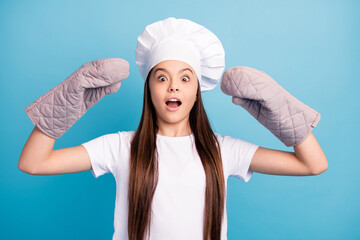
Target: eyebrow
(163,69)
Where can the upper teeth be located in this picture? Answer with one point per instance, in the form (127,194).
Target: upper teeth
(173,100)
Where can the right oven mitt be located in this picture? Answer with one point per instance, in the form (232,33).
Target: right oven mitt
(290,120)
(58,109)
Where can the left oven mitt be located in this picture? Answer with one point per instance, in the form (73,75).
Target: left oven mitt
(58,109)
(290,120)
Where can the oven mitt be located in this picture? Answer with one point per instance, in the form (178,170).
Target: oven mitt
(286,117)
(58,109)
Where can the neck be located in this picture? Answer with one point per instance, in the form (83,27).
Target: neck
(179,129)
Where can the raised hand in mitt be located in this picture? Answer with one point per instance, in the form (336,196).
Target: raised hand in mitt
(58,109)
(290,120)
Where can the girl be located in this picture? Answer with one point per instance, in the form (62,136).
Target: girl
(171,173)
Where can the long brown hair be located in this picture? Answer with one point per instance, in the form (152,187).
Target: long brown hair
(144,170)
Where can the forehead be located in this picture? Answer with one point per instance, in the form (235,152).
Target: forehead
(172,65)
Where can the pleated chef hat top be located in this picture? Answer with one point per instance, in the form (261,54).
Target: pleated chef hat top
(183,40)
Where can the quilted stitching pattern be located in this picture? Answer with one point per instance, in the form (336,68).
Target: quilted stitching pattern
(290,120)
(58,109)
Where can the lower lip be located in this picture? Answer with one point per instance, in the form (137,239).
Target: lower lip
(172,109)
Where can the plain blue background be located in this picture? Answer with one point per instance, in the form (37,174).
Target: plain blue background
(311,48)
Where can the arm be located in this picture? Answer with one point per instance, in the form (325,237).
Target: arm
(290,120)
(308,159)
(39,158)
(68,102)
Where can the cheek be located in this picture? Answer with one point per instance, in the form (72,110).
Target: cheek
(156,97)
(194,93)
(191,98)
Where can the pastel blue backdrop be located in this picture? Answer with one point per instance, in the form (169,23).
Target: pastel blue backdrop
(311,48)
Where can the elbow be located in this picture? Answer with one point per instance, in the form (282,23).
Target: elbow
(320,170)
(26,170)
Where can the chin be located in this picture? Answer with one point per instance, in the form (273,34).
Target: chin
(174,119)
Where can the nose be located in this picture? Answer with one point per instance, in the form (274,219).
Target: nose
(173,87)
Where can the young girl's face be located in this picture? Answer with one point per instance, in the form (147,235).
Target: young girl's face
(173,86)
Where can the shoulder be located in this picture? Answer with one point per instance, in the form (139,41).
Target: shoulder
(226,141)
(236,155)
(113,139)
(125,137)
(126,134)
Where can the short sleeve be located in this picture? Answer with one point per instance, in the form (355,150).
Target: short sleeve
(237,154)
(104,153)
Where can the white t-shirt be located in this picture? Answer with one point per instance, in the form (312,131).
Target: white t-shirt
(179,199)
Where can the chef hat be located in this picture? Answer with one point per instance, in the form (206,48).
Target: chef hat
(183,40)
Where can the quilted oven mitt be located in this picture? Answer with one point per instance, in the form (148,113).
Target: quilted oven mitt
(286,117)
(58,109)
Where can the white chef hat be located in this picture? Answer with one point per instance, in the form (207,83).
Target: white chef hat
(183,40)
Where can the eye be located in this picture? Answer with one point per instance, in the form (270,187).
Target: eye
(186,78)
(161,78)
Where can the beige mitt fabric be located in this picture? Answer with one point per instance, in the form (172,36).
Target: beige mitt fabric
(57,110)
(290,120)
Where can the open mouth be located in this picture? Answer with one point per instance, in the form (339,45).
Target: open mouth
(173,103)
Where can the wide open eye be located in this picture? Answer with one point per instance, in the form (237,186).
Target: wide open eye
(162,78)
(186,78)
